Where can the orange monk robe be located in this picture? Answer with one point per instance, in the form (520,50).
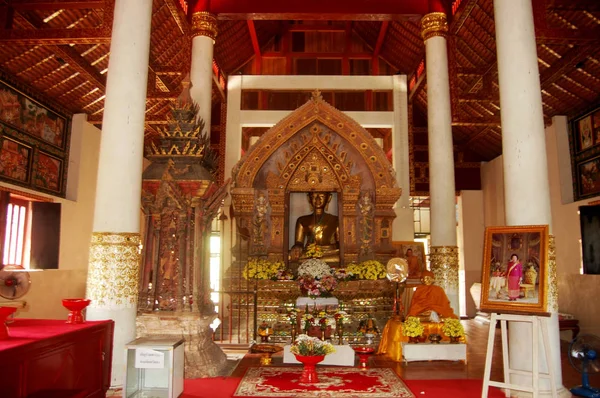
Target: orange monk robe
(431,298)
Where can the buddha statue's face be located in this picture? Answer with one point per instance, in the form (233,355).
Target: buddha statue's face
(318,200)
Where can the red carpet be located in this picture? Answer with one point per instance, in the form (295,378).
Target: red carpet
(341,382)
(224,387)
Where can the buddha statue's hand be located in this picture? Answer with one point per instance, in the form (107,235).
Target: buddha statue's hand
(296,252)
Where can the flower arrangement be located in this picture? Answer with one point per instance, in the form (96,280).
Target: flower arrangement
(370,269)
(257,268)
(340,317)
(323,320)
(308,320)
(292,316)
(315,268)
(453,328)
(342,275)
(313,251)
(412,327)
(315,278)
(311,346)
(284,275)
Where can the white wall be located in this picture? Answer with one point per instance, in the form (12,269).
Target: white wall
(471,230)
(49,287)
(577,294)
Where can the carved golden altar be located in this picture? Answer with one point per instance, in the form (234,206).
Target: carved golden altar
(317,148)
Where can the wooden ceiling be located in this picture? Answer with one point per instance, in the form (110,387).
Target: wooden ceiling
(59,50)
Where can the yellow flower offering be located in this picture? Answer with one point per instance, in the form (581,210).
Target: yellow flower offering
(453,328)
(257,268)
(412,327)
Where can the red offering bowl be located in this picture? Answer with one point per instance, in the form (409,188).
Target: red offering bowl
(5,312)
(75,306)
(363,353)
(309,372)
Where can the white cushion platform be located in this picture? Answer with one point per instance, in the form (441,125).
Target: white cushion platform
(343,356)
(434,352)
(320,302)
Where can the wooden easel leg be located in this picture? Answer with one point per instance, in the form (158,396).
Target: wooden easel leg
(505,356)
(488,357)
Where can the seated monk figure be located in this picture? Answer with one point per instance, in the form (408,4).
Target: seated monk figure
(320,229)
(429,297)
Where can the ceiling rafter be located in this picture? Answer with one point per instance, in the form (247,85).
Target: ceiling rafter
(54,5)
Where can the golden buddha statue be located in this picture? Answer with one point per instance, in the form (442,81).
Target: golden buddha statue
(429,297)
(320,229)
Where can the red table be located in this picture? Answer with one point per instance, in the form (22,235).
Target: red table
(50,358)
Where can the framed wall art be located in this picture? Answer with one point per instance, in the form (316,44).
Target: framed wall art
(515,266)
(15,160)
(48,172)
(34,144)
(414,253)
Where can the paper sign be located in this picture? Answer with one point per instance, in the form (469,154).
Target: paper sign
(149,359)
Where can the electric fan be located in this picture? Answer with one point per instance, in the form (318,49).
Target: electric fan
(14,284)
(583,355)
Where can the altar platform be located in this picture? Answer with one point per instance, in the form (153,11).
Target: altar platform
(33,360)
(434,352)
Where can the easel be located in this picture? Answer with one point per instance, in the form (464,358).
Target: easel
(539,324)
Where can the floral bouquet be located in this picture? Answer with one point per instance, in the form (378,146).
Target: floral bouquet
(308,320)
(257,268)
(311,346)
(340,317)
(315,278)
(284,275)
(412,327)
(292,316)
(453,328)
(370,269)
(323,320)
(342,275)
(313,251)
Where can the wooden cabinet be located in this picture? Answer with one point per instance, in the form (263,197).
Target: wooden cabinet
(50,358)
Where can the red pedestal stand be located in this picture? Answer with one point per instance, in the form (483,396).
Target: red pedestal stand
(75,306)
(5,312)
(309,373)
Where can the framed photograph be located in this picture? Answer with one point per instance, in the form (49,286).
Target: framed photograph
(586,137)
(414,253)
(596,123)
(515,262)
(48,172)
(588,177)
(15,160)
(25,114)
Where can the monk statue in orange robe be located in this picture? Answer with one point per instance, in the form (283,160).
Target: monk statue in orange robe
(429,297)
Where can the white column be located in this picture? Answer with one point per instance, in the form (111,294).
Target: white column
(526,187)
(441,156)
(114,254)
(403,227)
(204,31)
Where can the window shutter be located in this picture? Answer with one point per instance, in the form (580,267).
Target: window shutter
(45,235)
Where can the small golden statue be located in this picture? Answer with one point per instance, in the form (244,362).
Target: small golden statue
(319,229)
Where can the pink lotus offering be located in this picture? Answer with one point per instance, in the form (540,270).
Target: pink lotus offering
(5,312)
(75,306)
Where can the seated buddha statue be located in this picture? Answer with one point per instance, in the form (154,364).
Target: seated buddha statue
(429,297)
(319,230)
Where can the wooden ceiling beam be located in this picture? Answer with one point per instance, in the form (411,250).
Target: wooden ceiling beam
(589,36)
(380,38)
(338,10)
(54,5)
(462,14)
(255,46)
(579,5)
(493,121)
(50,37)
(478,97)
(316,28)
(178,16)
(417,87)
(561,66)
(273,54)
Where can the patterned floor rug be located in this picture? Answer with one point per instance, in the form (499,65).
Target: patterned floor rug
(339,382)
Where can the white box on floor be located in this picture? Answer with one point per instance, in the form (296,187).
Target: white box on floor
(154,368)
(343,356)
(434,352)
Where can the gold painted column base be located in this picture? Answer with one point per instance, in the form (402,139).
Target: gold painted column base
(552,276)
(114,268)
(444,265)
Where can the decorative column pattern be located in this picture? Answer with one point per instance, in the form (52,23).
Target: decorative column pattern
(114,255)
(444,252)
(204,32)
(525,165)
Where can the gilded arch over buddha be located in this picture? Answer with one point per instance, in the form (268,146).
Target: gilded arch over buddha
(315,148)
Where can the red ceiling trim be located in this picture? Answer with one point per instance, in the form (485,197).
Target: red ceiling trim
(30,37)
(382,32)
(54,5)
